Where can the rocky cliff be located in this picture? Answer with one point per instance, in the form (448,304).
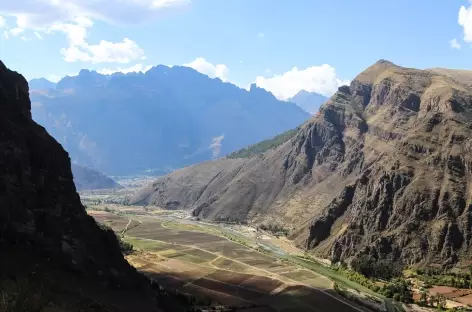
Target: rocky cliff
(384,169)
(53,255)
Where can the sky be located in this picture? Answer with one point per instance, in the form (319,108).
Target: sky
(282,46)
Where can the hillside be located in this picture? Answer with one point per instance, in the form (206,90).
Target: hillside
(308,101)
(164,119)
(264,146)
(387,158)
(89,179)
(54,256)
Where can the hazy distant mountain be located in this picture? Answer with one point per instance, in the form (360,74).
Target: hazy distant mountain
(309,101)
(89,179)
(41,84)
(154,122)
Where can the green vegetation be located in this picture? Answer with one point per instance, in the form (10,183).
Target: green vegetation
(351,297)
(373,268)
(445,278)
(277,230)
(356,277)
(263,146)
(334,274)
(399,290)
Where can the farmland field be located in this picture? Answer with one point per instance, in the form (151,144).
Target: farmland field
(221,268)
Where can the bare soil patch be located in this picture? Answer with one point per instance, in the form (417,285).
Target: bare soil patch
(467,300)
(261,283)
(441,290)
(228,289)
(229,277)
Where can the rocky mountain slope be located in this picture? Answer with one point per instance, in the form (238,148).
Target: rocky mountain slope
(384,170)
(54,256)
(151,123)
(308,101)
(89,179)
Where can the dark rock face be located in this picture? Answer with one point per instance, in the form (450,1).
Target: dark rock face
(385,170)
(43,224)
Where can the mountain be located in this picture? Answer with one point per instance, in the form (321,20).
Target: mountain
(383,170)
(41,84)
(89,179)
(54,256)
(308,101)
(167,118)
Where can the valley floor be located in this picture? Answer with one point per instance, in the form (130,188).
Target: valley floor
(219,265)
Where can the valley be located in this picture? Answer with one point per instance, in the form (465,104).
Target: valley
(221,264)
(238,265)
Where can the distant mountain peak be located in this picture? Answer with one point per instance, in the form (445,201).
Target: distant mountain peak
(308,101)
(41,84)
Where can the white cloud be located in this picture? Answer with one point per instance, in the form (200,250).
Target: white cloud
(3,22)
(168,3)
(215,145)
(38,35)
(74,17)
(103,52)
(454,44)
(207,68)
(24,38)
(16,31)
(133,69)
(320,79)
(43,13)
(465,20)
(53,78)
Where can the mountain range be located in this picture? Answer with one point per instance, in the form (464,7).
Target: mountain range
(157,121)
(383,170)
(308,101)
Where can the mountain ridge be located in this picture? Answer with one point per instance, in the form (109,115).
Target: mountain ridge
(41,84)
(386,156)
(164,119)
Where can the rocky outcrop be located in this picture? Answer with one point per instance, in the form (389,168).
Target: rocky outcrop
(53,253)
(384,169)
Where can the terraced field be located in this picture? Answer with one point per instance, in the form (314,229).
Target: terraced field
(215,269)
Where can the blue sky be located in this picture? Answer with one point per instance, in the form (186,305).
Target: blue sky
(241,41)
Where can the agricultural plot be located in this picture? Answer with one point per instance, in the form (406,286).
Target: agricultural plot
(462,296)
(116,222)
(215,269)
